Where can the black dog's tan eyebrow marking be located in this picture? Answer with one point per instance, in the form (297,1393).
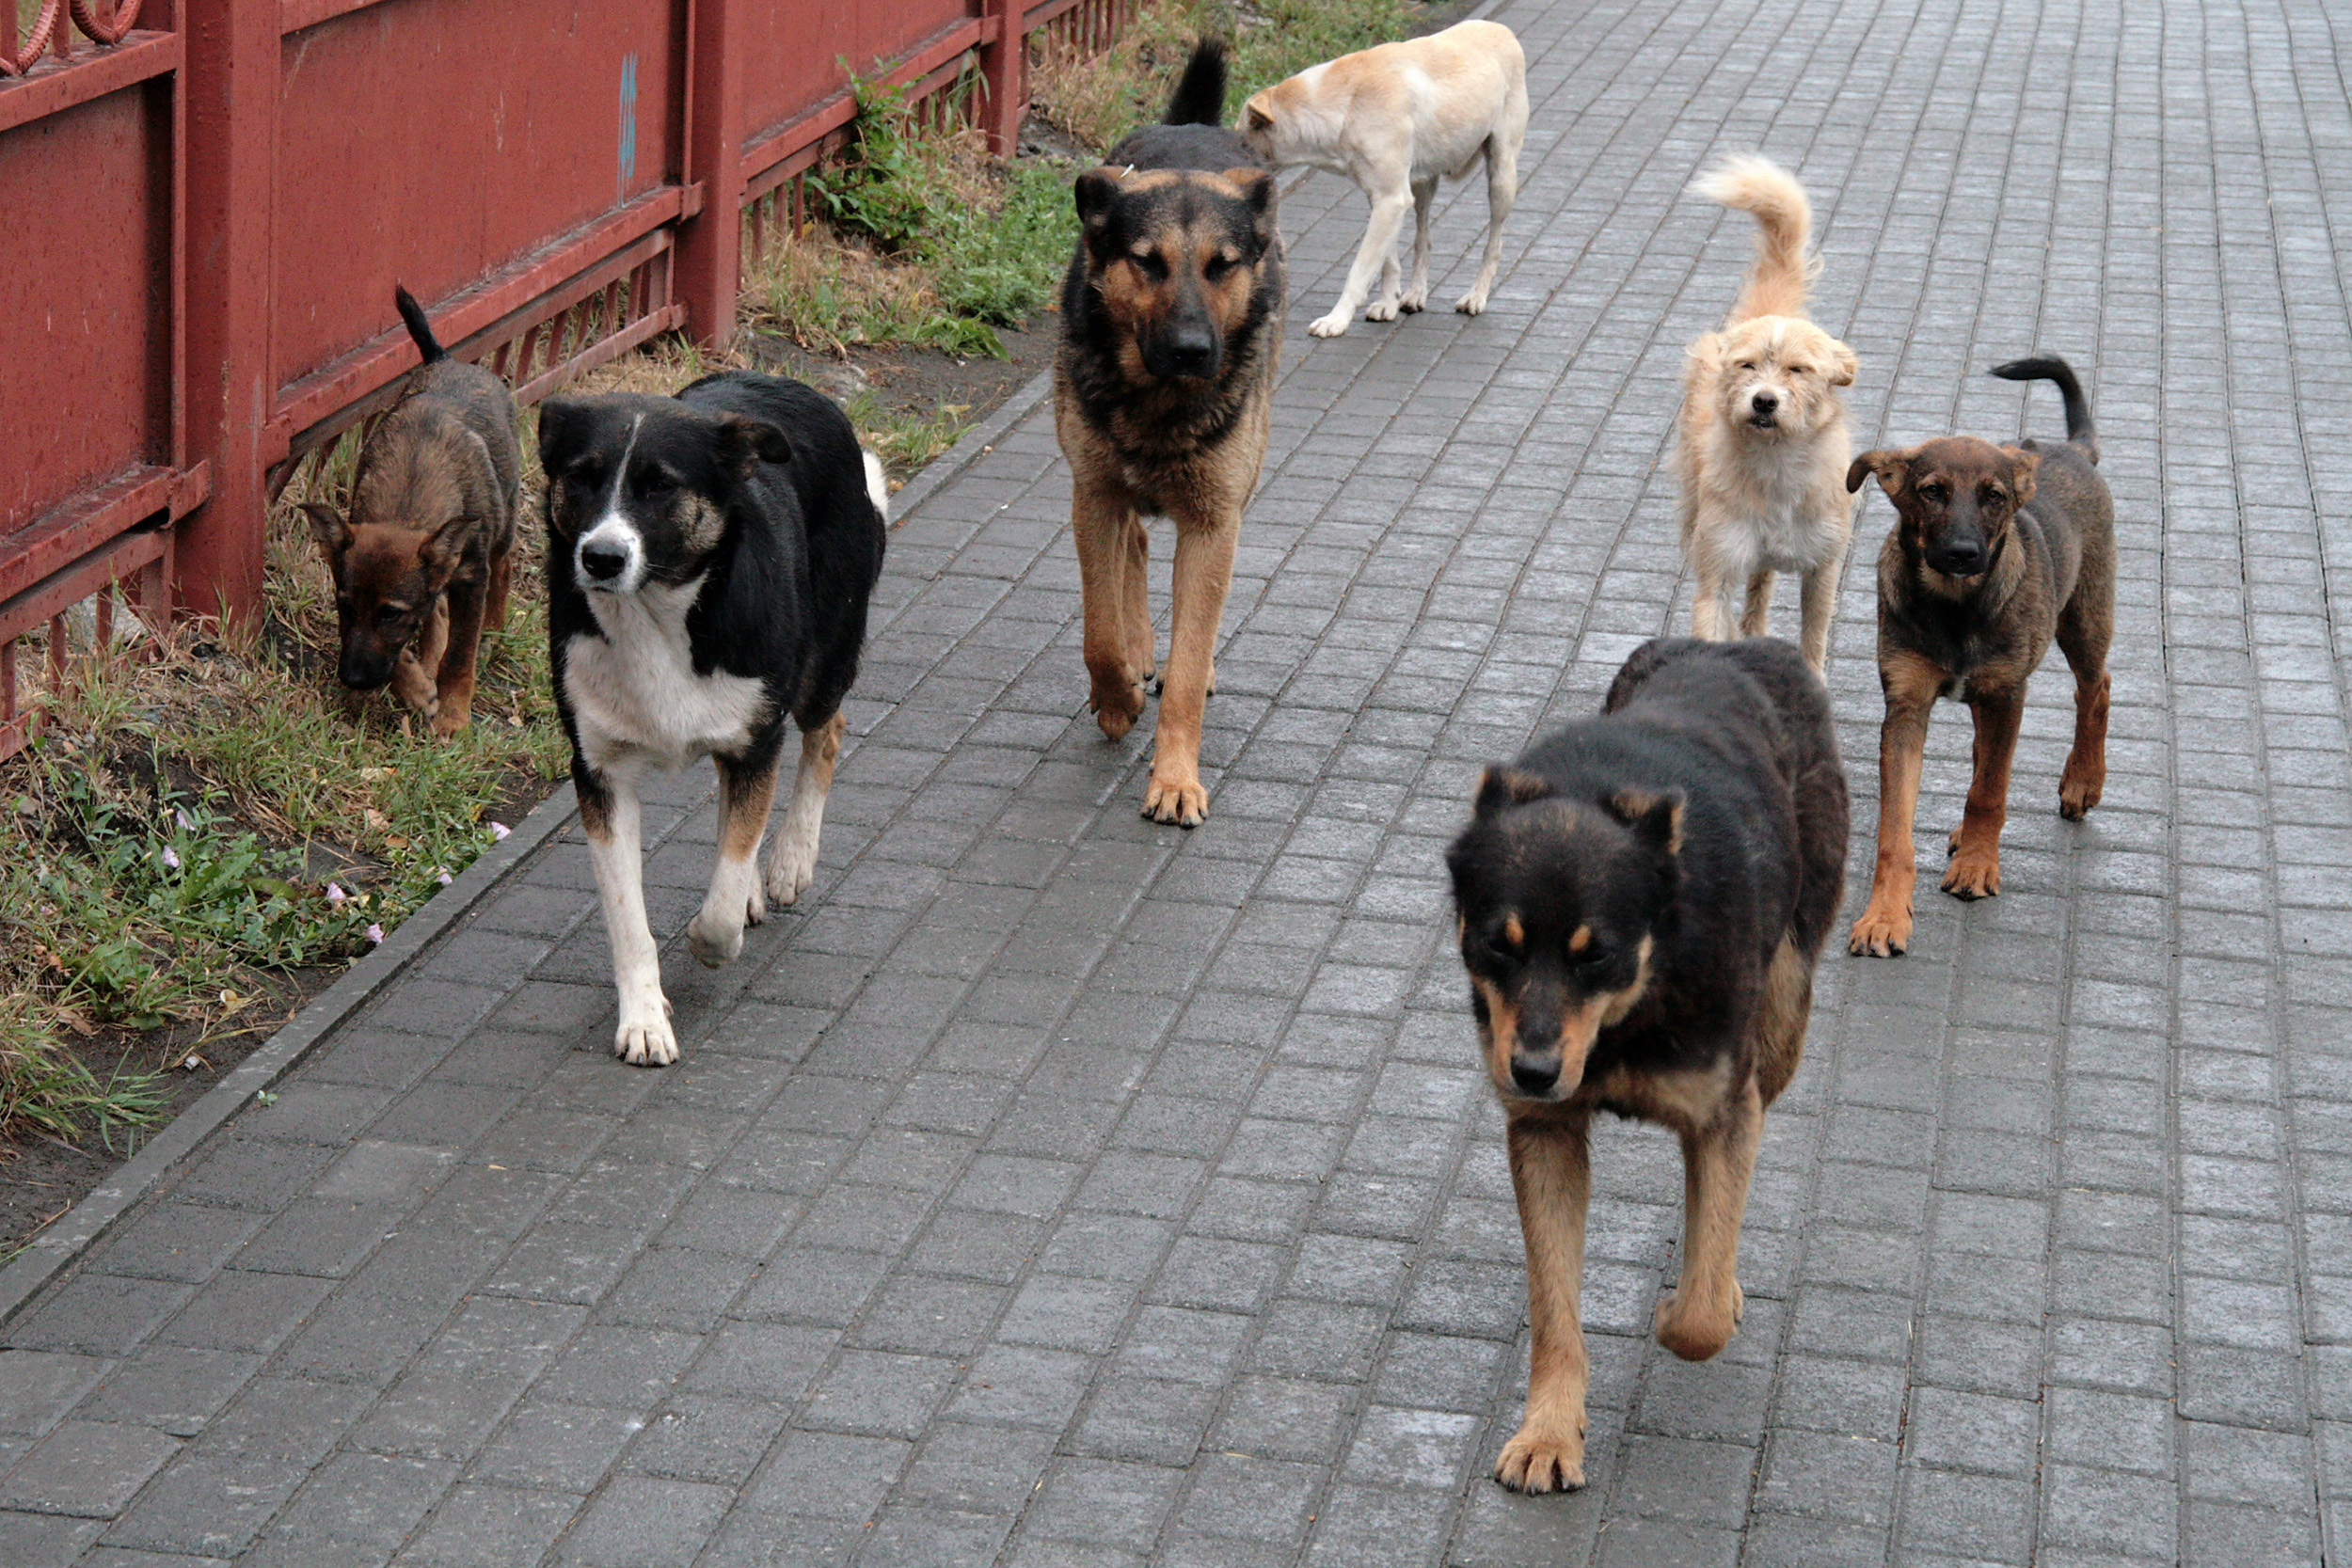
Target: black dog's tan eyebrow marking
(1513,932)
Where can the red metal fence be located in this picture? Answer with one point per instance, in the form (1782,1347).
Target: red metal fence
(207,203)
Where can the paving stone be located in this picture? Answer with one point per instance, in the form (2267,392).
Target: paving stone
(88,1469)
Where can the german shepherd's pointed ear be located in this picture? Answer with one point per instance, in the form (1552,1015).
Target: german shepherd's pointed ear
(440,551)
(1501,788)
(1888,463)
(1654,814)
(1257,187)
(744,441)
(2024,467)
(328,528)
(1097,195)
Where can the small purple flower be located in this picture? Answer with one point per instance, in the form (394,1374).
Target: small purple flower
(171,858)
(443,876)
(187,823)
(499,830)
(375,933)
(334,893)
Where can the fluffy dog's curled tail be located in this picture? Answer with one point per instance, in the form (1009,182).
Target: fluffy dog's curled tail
(420,327)
(2080,432)
(1775,283)
(1199,95)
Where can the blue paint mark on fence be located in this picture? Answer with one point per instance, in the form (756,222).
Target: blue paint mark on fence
(628,121)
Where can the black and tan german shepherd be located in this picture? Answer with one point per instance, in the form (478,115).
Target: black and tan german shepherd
(1642,899)
(1171,317)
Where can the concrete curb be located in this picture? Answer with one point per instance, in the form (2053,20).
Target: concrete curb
(68,1237)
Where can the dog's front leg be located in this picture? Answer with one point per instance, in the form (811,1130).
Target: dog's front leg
(1102,524)
(1551,1177)
(1502,191)
(1884,929)
(457,678)
(1388,215)
(792,863)
(607,812)
(1696,1318)
(1204,574)
(747,787)
(1820,610)
(1976,868)
(413,672)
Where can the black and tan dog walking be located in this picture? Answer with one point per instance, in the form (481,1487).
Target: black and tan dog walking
(1641,901)
(1995,552)
(1172,317)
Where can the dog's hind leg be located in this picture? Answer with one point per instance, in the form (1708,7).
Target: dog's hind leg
(792,863)
(1976,868)
(608,814)
(2082,636)
(1911,684)
(1416,296)
(1756,619)
(1388,215)
(501,584)
(1551,1178)
(747,787)
(1136,603)
(1503,192)
(1696,1319)
(1102,524)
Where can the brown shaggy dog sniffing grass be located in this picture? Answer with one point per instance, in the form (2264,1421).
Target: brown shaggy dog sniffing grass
(1764,445)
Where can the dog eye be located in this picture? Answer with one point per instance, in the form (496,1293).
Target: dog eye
(1499,946)
(1154,266)
(1217,267)
(1799,370)
(1933,492)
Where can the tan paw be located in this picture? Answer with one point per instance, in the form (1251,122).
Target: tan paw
(1883,931)
(1117,707)
(2079,790)
(1974,874)
(1543,1459)
(1697,1332)
(450,719)
(1183,802)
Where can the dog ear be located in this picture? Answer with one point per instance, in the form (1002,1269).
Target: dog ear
(1707,350)
(1844,367)
(1255,120)
(1888,463)
(1257,188)
(2024,467)
(562,431)
(744,441)
(328,528)
(439,552)
(1501,788)
(1097,195)
(1654,814)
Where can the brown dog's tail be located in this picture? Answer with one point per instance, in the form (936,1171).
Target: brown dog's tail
(2080,432)
(1776,283)
(420,327)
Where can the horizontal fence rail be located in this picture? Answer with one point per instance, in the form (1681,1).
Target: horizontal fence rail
(209,202)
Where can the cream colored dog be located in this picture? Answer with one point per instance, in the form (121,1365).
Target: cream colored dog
(1764,444)
(1394,119)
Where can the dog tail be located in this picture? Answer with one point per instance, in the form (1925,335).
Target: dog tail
(1776,283)
(2049,367)
(876,486)
(1199,95)
(419,326)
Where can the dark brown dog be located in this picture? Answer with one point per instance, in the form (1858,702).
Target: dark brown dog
(1172,316)
(1994,551)
(424,562)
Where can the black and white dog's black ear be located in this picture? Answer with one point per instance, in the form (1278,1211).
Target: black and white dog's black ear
(565,427)
(744,441)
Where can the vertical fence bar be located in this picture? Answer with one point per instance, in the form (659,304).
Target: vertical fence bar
(707,269)
(1004,50)
(232,83)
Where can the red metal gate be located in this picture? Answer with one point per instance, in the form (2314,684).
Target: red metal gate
(207,204)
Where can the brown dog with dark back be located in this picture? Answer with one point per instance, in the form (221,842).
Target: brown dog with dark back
(424,562)
(1996,551)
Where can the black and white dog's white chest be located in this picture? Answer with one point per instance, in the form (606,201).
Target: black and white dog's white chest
(634,693)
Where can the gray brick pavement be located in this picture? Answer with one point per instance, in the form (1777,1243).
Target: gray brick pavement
(1053,1188)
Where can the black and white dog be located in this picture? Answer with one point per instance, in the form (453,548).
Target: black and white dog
(710,556)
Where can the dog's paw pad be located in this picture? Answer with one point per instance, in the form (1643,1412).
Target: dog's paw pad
(1696,1332)
(1542,1461)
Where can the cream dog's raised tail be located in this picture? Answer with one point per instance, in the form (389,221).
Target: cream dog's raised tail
(1784,218)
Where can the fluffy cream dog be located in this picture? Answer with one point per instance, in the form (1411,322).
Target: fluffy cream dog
(1395,119)
(1764,444)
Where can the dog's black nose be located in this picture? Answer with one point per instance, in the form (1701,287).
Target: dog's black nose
(603,561)
(1192,354)
(1764,403)
(1536,1074)
(1958,557)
